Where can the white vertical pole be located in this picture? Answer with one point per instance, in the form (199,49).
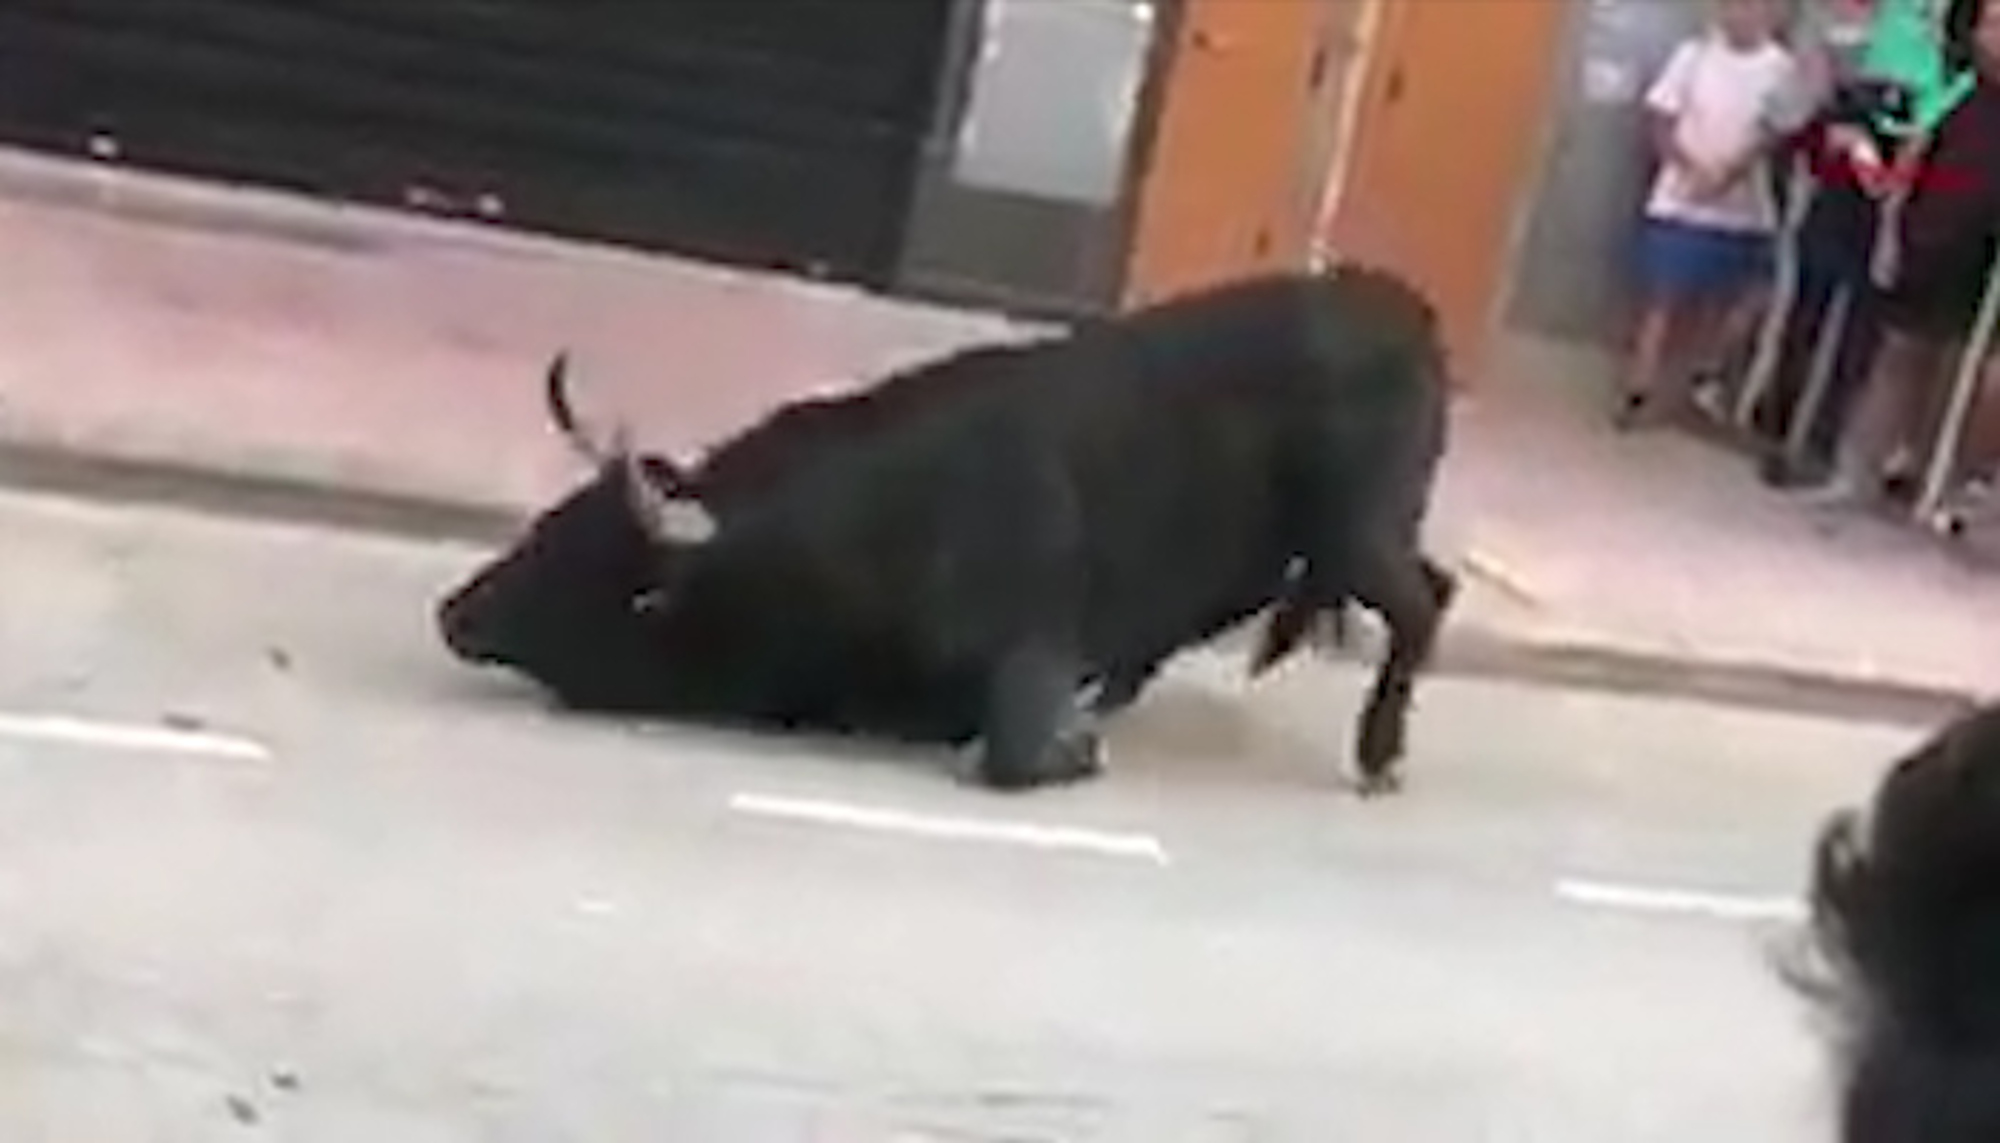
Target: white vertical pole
(1819,381)
(1965,388)
(1800,189)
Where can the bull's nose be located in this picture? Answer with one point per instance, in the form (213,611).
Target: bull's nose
(462,637)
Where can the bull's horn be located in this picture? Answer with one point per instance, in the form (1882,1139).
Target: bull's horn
(555,386)
(666,518)
(685,520)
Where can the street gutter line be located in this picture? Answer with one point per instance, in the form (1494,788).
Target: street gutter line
(1128,845)
(129,736)
(1722,906)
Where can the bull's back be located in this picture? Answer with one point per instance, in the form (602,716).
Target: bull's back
(1154,460)
(796,438)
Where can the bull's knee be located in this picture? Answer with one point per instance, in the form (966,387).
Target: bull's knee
(1035,735)
(1443,583)
(1074,757)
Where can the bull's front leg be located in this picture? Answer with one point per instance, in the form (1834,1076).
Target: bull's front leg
(1036,733)
(1411,593)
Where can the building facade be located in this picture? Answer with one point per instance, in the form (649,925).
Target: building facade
(1044,156)
(1407,133)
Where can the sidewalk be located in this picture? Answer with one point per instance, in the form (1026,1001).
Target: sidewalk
(249,335)
(1665,548)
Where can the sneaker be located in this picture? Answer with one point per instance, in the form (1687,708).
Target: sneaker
(1840,493)
(1631,411)
(1901,487)
(1711,399)
(1778,471)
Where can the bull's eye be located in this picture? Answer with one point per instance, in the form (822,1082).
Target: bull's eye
(649,601)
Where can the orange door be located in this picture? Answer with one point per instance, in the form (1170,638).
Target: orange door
(1226,189)
(1444,150)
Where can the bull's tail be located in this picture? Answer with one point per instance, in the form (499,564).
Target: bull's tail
(1293,614)
(1289,622)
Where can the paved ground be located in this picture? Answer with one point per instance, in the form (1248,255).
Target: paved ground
(271,868)
(253,334)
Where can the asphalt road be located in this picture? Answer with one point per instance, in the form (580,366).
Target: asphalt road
(272,868)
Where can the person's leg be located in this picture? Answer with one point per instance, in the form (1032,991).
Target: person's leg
(1881,416)
(1942,301)
(1670,266)
(1860,345)
(1738,323)
(1972,457)
(1981,453)
(1752,269)
(1651,342)
(1971,452)
(1811,308)
(1972,498)
(1715,359)
(1722,340)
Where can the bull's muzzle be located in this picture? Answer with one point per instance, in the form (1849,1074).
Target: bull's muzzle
(459,626)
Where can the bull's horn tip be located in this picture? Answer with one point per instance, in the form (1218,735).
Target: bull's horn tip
(687,520)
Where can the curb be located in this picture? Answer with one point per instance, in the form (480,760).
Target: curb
(1475,652)
(1468,651)
(262,497)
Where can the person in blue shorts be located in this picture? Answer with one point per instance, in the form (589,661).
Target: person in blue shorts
(1706,236)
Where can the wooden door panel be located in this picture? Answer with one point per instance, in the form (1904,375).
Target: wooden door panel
(1450,124)
(1222,197)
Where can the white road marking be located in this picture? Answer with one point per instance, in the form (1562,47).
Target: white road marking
(1132,845)
(130,736)
(1725,906)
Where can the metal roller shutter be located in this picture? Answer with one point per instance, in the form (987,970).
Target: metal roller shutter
(764,132)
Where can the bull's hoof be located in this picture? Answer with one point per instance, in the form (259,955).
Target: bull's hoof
(1380,743)
(1077,760)
(1371,786)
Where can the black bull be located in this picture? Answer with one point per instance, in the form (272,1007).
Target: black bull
(956,552)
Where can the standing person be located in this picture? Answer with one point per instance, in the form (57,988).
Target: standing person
(1708,224)
(1842,147)
(1936,251)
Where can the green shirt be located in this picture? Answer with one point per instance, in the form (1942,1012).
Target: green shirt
(1906,46)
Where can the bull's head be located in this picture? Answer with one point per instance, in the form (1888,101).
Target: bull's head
(667,514)
(571,597)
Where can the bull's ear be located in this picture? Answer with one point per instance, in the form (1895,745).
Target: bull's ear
(668,518)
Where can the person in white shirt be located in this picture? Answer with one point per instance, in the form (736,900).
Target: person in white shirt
(1709,221)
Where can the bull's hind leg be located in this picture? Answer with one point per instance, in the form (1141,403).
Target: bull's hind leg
(1412,594)
(1035,733)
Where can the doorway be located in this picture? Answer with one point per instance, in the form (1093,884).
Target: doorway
(1239,156)
(1450,124)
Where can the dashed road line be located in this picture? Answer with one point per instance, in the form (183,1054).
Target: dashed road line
(1651,899)
(1136,846)
(68,730)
